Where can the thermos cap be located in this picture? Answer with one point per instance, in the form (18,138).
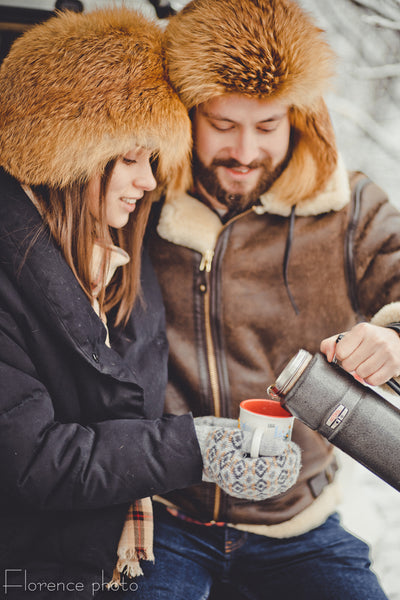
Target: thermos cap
(289,375)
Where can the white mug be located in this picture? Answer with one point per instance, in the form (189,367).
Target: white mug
(265,417)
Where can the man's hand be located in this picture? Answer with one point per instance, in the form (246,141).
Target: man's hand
(369,352)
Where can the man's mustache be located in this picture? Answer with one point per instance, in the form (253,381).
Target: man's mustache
(232,163)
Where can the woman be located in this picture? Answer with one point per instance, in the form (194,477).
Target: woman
(85,116)
(86,119)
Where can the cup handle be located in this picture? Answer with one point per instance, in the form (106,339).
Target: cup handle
(256,443)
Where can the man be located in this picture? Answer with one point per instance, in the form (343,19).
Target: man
(252,263)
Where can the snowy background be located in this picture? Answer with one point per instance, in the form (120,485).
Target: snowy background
(365,109)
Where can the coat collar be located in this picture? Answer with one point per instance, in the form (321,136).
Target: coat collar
(187,222)
(43,278)
(333,198)
(105,257)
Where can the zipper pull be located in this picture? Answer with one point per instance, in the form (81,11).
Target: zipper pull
(206,261)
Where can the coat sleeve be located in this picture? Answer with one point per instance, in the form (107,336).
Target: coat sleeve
(50,465)
(377,257)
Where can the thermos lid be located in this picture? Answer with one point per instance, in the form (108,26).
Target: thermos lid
(289,375)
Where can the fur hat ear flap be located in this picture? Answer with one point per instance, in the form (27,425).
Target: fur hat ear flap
(316,130)
(314,155)
(175,179)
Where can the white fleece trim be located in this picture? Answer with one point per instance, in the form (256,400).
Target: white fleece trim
(311,517)
(390,313)
(188,222)
(335,196)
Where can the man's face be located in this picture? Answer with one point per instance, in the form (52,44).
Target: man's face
(241,145)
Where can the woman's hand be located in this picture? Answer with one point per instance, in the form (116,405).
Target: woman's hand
(369,352)
(224,450)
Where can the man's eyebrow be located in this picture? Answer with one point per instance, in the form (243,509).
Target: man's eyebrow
(276,117)
(218,117)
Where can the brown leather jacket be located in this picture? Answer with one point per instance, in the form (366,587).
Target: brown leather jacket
(232,326)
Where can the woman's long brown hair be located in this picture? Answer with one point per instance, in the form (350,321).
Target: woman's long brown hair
(67,214)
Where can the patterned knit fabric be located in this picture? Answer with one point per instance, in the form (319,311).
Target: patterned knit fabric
(226,464)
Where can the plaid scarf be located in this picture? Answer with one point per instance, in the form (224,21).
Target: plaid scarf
(136,541)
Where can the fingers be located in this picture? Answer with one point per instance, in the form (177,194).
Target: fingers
(371,353)
(242,476)
(266,446)
(260,478)
(328,347)
(272,447)
(212,421)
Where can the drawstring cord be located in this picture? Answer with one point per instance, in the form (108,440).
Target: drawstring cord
(288,247)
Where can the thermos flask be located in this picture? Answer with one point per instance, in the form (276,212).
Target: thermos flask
(350,415)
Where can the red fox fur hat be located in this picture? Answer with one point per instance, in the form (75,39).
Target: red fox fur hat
(263,49)
(81,89)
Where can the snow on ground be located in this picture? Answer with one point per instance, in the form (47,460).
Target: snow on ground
(370,509)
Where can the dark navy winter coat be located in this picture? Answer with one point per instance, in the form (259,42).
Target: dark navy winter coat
(81,433)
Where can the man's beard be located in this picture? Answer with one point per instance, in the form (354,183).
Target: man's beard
(236,202)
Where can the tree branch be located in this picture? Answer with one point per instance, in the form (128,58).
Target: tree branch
(379,72)
(370,127)
(376,7)
(381,22)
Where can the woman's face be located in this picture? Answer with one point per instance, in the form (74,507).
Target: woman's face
(132,176)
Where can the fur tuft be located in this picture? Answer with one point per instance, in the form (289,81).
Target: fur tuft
(81,89)
(262,48)
(314,156)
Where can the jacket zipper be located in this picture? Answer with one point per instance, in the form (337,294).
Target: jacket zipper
(205,266)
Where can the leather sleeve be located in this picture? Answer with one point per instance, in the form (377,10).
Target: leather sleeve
(377,252)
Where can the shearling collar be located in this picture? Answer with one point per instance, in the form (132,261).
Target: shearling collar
(333,198)
(187,222)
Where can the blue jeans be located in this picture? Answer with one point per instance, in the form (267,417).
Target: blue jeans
(327,563)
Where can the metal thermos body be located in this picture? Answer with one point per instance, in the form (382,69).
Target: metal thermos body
(350,415)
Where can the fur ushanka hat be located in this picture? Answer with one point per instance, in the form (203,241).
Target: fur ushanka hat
(82,89)
(263,49)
